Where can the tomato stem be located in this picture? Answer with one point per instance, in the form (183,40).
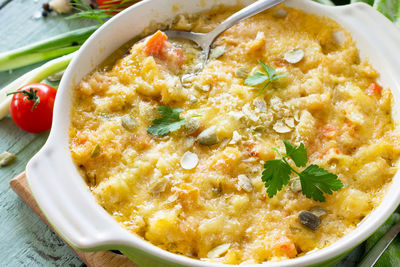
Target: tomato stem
(31,95)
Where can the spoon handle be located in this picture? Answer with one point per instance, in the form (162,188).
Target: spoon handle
(374,254)
(246,12)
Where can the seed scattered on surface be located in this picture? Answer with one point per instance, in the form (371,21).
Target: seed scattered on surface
(297,115)
(6,158)
(259,128)
(208,137)
(280,13)
(309,220)
(95,151)
(318,211)
(295,185)
(261,105)
(242,73)
(289,122)
(189,141)
(217,52)
(192,124)
(218,251)
(202,88)
(236,137)
(192,99)
(280,127)
(244,183)
(189,160)
(128,122)
(294,56)
(159,185)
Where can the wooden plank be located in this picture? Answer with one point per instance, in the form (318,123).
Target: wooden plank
(91,259)
(25,239)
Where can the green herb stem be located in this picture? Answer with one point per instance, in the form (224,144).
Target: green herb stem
(50,48)
(34,76)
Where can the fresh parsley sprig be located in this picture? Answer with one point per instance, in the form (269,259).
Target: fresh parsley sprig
(259,77)
(314,180)
(169,121)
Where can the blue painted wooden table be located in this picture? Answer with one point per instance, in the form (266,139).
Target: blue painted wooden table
(24,239)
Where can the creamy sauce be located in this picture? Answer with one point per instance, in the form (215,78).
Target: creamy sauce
(216,208)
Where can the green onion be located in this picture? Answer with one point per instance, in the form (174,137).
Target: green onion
(34,76)
(54,47)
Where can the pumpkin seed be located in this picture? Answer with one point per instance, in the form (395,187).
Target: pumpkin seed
(235,138)
(309,220)
(244,183)
(218,251)
(192,99)
(202,88)
(217,52)
(6,158)
(96,151)
(261,106)
(318,211)
(192,124)
(208,137)
(259,128)
(295,185)
(189,160)
(159,185)
(189,141)
(128,122)
(242,73)
(289,122)
(294,56)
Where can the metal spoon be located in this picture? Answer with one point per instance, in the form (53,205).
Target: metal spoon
(376,252)
(205,40)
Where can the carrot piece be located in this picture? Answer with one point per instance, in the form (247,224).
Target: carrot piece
(285,246)
(155,43)
(374,89)
(329,131)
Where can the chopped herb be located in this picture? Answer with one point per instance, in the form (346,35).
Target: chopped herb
(96,151)
(314,180)
(169,121)
(6,158)
(259,77)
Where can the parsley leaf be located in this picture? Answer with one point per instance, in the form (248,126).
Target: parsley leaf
(314,180)
(256,78)
(275,175)
(259,77)
(169,121)
(297,154)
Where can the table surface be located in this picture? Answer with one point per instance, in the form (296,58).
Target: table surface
(25,239)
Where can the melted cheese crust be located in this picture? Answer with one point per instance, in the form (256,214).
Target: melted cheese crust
(323,101)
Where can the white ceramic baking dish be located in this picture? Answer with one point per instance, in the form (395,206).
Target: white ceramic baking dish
(70,207)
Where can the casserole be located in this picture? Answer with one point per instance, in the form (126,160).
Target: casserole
(70,207)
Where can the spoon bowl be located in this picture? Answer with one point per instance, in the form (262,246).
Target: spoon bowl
(205,40)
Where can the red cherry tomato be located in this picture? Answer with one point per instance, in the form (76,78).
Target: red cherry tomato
(31,107)
(114,6)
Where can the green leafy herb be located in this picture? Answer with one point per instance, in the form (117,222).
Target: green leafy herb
(297,154)
(169,121)
(314,180)
(259,77)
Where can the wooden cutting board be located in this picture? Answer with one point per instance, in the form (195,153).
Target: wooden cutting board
(91,259)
